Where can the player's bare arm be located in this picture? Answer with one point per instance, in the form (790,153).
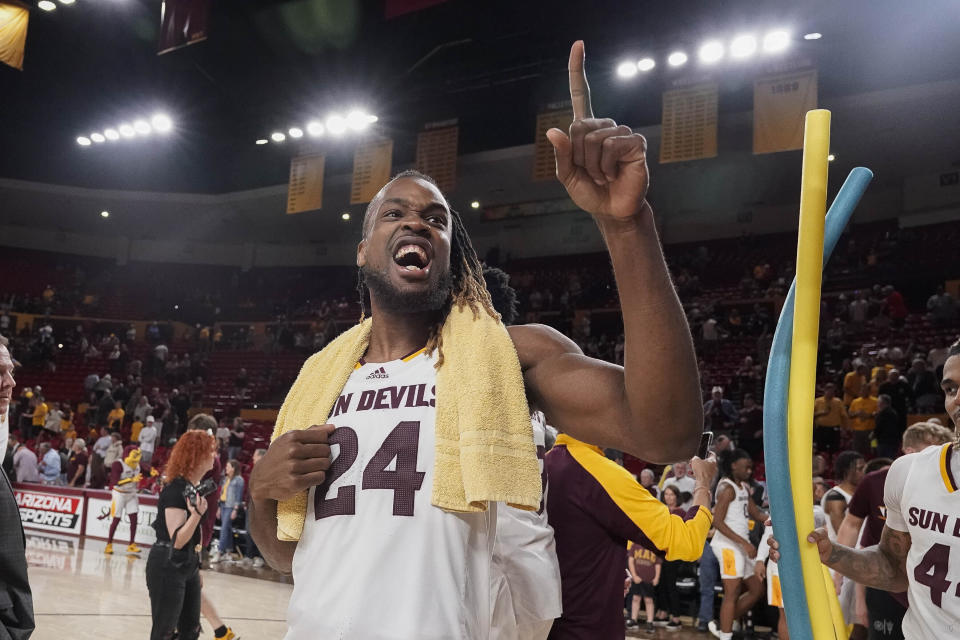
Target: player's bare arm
(295,461)
(835,507)
(603,167)
(881,567)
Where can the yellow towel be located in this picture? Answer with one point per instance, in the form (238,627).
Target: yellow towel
(484,441)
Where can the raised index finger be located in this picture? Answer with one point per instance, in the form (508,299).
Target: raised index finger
(579,89)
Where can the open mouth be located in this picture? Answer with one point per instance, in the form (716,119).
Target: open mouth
(411,257)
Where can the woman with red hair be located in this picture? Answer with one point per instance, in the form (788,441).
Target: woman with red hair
(173,566)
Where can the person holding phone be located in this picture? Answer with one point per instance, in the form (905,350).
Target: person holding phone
(173,566)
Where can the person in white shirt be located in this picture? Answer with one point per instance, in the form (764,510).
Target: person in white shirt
(148,437)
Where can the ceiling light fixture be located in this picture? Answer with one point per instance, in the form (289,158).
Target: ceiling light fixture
(336,124)
(83,141)
(677,58)
(97,137)
(104,214)
(262,141)
(743,46)
(813,36)
(142,127)
(46,5)
(776,41)
(126,130)
(276,136)
(111,134)
(162,122)
(295,132)
(646,64)
(627,69)
(711,52)
(314,128)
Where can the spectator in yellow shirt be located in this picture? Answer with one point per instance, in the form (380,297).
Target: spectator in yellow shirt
(39,415)
(863,419)
(853,383)
(135,431)
(115,417)
(829,416)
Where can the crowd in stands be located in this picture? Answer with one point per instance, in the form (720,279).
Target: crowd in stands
(90,388)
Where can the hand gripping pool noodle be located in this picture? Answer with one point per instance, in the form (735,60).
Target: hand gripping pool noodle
(775,420)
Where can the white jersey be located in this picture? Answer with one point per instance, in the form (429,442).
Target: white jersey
(738,513)
(376,560)
(831,532)
(922,499)
(526,575)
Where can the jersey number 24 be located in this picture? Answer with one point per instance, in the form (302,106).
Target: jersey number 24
(403,444)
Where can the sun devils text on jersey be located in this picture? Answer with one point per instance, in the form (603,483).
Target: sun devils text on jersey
(922,499)
(376,560)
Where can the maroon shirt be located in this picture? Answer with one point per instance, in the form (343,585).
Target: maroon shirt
(75,461)
(645,561)
(591,533)
(867,504)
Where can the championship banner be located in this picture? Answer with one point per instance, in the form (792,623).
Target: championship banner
(305,190)
(182,23)
(544,162)
(13,32)
(780,104)
(437,154)
(99,519)
(50,511)
(372,162)
(689,124)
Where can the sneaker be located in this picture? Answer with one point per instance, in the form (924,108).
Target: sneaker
(714,629)
(702,627)
(257,562)
(660,622)
(632,624)
(229,635)
(133,548)
(673,625)
(214,557)
(651,628)
(108,549)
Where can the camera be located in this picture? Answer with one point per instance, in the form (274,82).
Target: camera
(191,492)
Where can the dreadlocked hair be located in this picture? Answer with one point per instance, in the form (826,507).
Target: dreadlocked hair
(468,287)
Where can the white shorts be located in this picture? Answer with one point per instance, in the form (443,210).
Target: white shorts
(124,503)
(774,594)
(732,559)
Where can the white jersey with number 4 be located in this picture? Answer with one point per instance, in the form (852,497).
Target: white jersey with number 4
(921,498)
(377,561)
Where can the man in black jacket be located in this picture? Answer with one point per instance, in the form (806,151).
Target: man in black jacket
(888,430)
(16,602)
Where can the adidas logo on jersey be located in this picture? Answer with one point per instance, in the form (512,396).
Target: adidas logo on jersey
(379,373)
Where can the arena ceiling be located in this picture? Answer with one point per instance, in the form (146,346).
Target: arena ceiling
(492,64)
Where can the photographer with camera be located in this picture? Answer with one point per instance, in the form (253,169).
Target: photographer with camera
(173,566)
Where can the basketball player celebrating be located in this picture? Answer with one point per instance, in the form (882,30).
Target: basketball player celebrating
(428,573)
(919,550)
(731,543)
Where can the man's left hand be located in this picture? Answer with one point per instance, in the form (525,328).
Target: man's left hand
(603,166)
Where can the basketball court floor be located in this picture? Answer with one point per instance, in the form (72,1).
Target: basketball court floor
(81,594)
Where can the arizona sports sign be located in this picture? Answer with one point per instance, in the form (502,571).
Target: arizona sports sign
(50,511)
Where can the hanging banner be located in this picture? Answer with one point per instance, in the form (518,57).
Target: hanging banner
(689,123)
(305,190)
(372,163)
(182,23)
(13,32)
(780,105)
(544,163)
(437,155)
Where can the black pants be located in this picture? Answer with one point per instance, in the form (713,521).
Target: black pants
(885,614)
(668,597)
(174,596)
